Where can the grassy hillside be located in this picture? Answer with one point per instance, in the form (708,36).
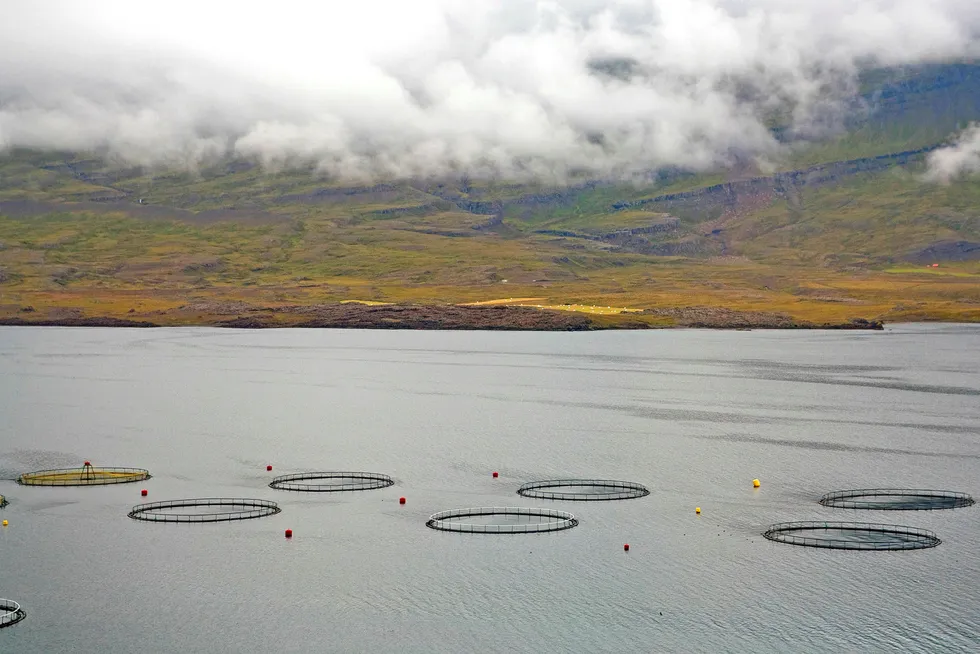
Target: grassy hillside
(843,229)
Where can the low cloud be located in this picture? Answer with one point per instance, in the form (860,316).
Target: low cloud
(525,88)
(958,160)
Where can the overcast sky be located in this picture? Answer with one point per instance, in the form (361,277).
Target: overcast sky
(440,87)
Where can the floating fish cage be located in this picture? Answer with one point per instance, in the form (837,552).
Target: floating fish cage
(87,475)
(852,536)
(331,482)
(10,612)
(583,489)
(205,509)
(896,499)
(501,520)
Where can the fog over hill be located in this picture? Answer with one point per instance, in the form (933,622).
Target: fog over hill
(520,89)
(961,157)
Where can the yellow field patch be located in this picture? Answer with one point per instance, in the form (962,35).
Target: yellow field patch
(511,301)
(532,303)
(929,270)
(584,308)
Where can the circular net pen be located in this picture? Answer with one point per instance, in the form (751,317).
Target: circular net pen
(501,520)
(205,509)
(896,499)
(331,482)
(852,536)
(87,475)
(10,612)
(583,489)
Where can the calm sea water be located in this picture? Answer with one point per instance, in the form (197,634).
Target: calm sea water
(694,415)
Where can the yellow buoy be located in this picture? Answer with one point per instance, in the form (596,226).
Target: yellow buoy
(4,523)
(697,510)
(756,483)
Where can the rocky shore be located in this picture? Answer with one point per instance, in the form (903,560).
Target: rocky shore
(722,318)
(420,316)
(393,316)
(95,321)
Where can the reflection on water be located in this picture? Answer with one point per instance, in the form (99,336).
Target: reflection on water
(692,415)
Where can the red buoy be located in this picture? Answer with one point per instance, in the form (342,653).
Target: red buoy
(495,474)
(401,500)
(268,468)
(143,492)
(88,464)
(289,533)
(626,547)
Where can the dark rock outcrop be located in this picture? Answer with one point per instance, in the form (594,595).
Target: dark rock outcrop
(724,318)
(713,200)
(97,321)
(947,251)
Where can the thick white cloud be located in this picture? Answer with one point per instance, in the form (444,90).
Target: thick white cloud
(434,87)
(958,159)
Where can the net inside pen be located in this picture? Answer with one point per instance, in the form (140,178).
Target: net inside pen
(84,476)
(896,499)
(583,489)
(852,535)
(501,520)
(10,612)
(205,509)
(331,482)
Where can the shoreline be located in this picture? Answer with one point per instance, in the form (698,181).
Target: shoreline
(447,317)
